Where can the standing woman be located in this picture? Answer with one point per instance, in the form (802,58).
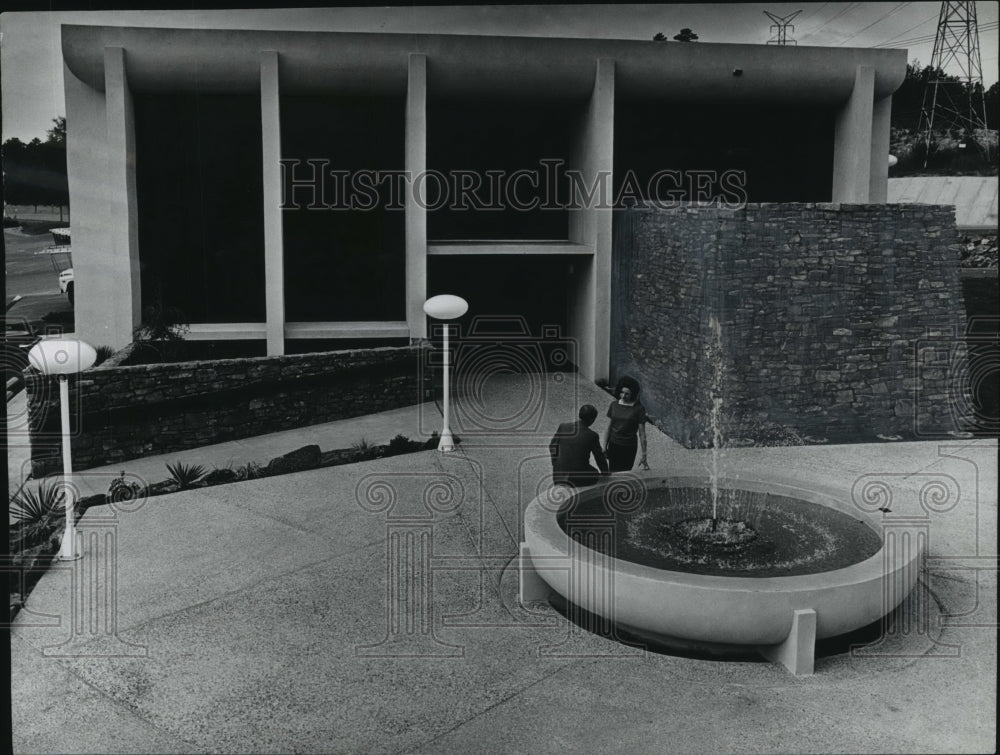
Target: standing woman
(627,426)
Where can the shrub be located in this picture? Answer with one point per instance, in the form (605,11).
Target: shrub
(363,450)
(186,475)
(398,445)
(160,331)
(121,490)
(221,475)
(104,353)
(161,323)
(944,157)
(249,471)
(33,506)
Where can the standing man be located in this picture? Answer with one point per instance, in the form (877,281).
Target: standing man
(571,448)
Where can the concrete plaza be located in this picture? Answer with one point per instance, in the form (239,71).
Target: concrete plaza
(256,616)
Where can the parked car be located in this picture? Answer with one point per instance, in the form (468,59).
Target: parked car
(66,283)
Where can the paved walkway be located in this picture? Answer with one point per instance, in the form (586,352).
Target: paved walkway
(416,422)
(254,617)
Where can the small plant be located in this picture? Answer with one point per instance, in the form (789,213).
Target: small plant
(186,475)
(33,506)
(161,323)
(161,331)
(249,471)
(104,353)
(363,450)
(121,490)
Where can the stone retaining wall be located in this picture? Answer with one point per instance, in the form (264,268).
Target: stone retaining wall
(120,413)
(792,322)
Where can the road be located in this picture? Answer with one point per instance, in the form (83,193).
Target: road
(33,273)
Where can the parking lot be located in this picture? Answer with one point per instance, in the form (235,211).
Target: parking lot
(33,303)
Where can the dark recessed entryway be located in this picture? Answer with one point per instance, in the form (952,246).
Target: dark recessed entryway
(520,302)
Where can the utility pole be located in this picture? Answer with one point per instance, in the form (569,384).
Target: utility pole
(950,100)
(779,29)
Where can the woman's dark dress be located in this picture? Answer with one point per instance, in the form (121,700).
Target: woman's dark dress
(623,440)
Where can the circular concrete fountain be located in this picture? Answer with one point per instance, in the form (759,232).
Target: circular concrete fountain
(778,566)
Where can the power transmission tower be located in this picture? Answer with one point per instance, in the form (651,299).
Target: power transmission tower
(950,101)
(779,29)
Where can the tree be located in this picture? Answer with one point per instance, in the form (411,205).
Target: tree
(13,159)
(659,37)
(992,98)
(35,173)
(908,99)
(686,35)
(57,134)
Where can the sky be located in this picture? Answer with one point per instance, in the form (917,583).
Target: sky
(31,66)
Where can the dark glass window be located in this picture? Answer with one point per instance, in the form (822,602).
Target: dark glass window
(200,201)
(344,242)
(501,136)
(785,153)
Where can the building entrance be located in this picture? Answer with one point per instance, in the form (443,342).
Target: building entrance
(518,312)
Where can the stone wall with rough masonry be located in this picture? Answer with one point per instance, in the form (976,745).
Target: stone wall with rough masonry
(783,323)
(119,413)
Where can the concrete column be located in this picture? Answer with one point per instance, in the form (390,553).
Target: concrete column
(416,215)
(87,167)
(878,187)
(852,148)
(274,264)
(590,224)
(602,149)
(113,284)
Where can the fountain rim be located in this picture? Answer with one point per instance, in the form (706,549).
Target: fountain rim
(718,610)
(543,522)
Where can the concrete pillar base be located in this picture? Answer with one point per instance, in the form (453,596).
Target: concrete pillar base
(797,653)
(530,585)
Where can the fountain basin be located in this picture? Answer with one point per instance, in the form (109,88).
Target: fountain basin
(713,610)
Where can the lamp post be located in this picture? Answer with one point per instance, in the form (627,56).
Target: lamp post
(64,357)
(446,307)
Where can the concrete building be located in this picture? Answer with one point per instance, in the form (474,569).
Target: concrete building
(209,169)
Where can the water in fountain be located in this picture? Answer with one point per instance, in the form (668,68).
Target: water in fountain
(715,358)
(755,533)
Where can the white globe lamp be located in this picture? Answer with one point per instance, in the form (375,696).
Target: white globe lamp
(446,307)
(64,357)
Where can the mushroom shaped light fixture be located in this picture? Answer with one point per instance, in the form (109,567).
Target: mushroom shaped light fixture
(63,357)
(446,307)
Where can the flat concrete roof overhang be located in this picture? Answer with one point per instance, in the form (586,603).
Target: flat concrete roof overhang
(170,60)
